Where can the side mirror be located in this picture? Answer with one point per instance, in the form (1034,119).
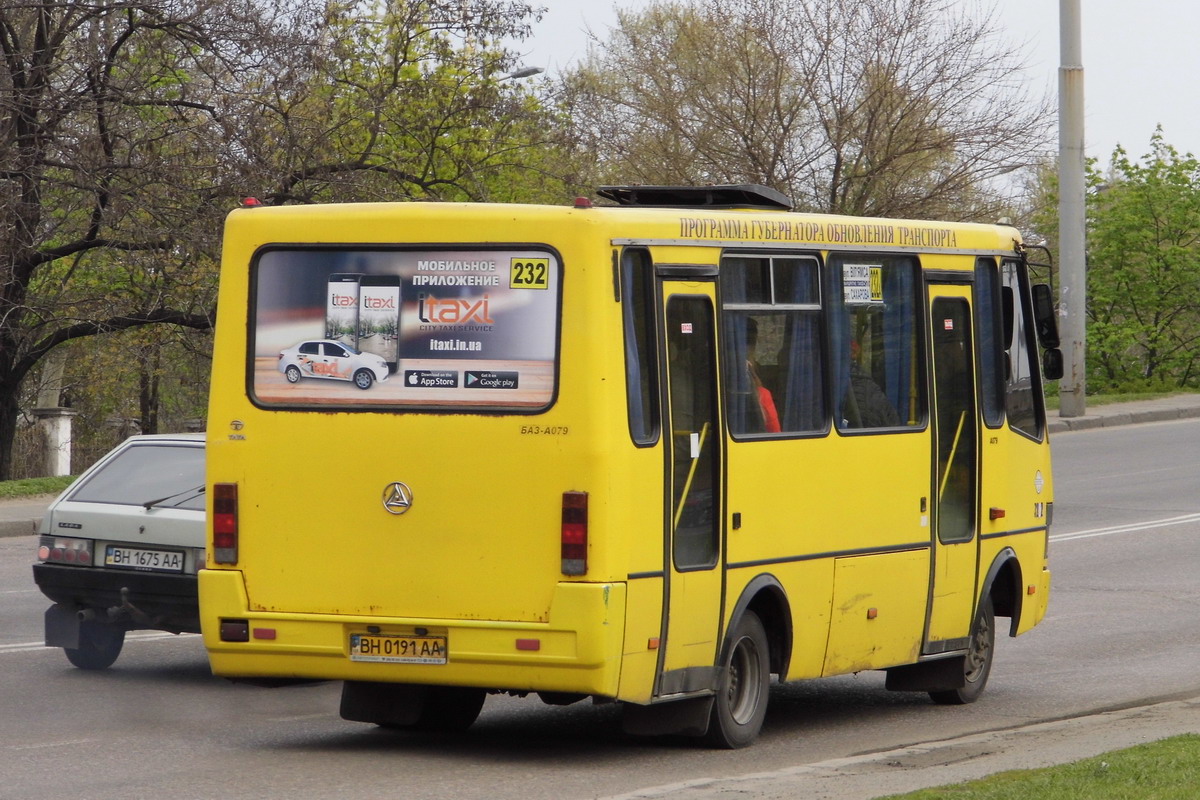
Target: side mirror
(1043,316)
(1052,364)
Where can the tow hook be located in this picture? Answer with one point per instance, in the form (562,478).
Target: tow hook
(127,608)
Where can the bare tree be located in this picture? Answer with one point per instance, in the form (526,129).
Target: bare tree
(99,126)
(877,107)
(128,128)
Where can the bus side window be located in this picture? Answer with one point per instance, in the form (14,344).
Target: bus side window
(991,339)
(1023,382)
(874,332)
(641,361)
(771,341)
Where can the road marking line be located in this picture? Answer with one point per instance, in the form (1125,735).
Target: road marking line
(1130,528)
(24,647)
(50,744)
(301,717)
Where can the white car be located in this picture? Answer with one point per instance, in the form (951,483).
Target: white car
(119,548)
(323,358)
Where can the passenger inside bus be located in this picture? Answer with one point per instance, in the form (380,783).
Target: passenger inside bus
(766,400)
(866,405)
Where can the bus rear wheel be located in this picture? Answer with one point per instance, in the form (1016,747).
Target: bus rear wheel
(450,709)
(743,686)
(400,706)
(978,662)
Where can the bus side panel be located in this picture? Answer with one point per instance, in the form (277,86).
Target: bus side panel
(843,495)
(636,482)
(1017,482)
(882,627)
(643,625)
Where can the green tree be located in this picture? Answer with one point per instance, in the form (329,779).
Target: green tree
(877,107)
(403,99)
(1144,271)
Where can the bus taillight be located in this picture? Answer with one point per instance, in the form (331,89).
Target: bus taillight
(225,523)
(574,533)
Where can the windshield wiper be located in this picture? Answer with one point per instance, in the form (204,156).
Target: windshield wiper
(198,490)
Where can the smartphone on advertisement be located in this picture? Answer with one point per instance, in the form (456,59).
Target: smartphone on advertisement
(341,308)
(379,317)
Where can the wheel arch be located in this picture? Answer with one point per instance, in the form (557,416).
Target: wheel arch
(765,596)
(1003,584)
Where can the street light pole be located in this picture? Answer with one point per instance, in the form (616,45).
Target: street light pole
(1071,213)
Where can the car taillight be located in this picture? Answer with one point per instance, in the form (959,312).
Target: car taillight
(65,550)
(225,523)
(574,533)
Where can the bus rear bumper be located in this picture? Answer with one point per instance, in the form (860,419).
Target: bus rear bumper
(577,650)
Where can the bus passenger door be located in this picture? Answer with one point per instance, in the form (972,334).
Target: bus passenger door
(693,552)
(956,470)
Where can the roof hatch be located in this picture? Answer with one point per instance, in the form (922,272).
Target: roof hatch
(742,195)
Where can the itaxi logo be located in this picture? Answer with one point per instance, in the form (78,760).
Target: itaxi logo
(454,311)
(343,300)
(375,302)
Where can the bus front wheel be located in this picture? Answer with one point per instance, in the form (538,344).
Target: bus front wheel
(978,662)
(741,702)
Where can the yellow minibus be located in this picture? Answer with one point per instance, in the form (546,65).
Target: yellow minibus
(650,450)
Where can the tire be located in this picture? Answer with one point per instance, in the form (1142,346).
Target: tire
(450,709)
(742,688)
(292,373)
(363,378)
(977,664)
(99,646)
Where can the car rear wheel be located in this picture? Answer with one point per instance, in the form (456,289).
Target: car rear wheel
(363,379)
(99,646)
(292,373)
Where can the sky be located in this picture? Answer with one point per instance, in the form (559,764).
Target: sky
(1141,60)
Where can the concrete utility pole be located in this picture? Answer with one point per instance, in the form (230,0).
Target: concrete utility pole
(1072,307)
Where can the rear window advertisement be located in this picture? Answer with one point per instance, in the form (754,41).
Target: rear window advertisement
(404,328)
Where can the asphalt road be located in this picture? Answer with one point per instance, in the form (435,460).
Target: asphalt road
(1114,660)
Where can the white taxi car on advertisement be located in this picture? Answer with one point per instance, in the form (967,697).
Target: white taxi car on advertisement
(119,548)
(327,359)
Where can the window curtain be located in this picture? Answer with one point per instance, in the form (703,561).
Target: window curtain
(839,339)
(898,307)
(803,401)
(739,389)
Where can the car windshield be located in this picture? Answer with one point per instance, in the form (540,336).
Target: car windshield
(146,472)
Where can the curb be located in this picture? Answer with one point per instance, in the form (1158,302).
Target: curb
(18,527)
(947,761)
(1064,424)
